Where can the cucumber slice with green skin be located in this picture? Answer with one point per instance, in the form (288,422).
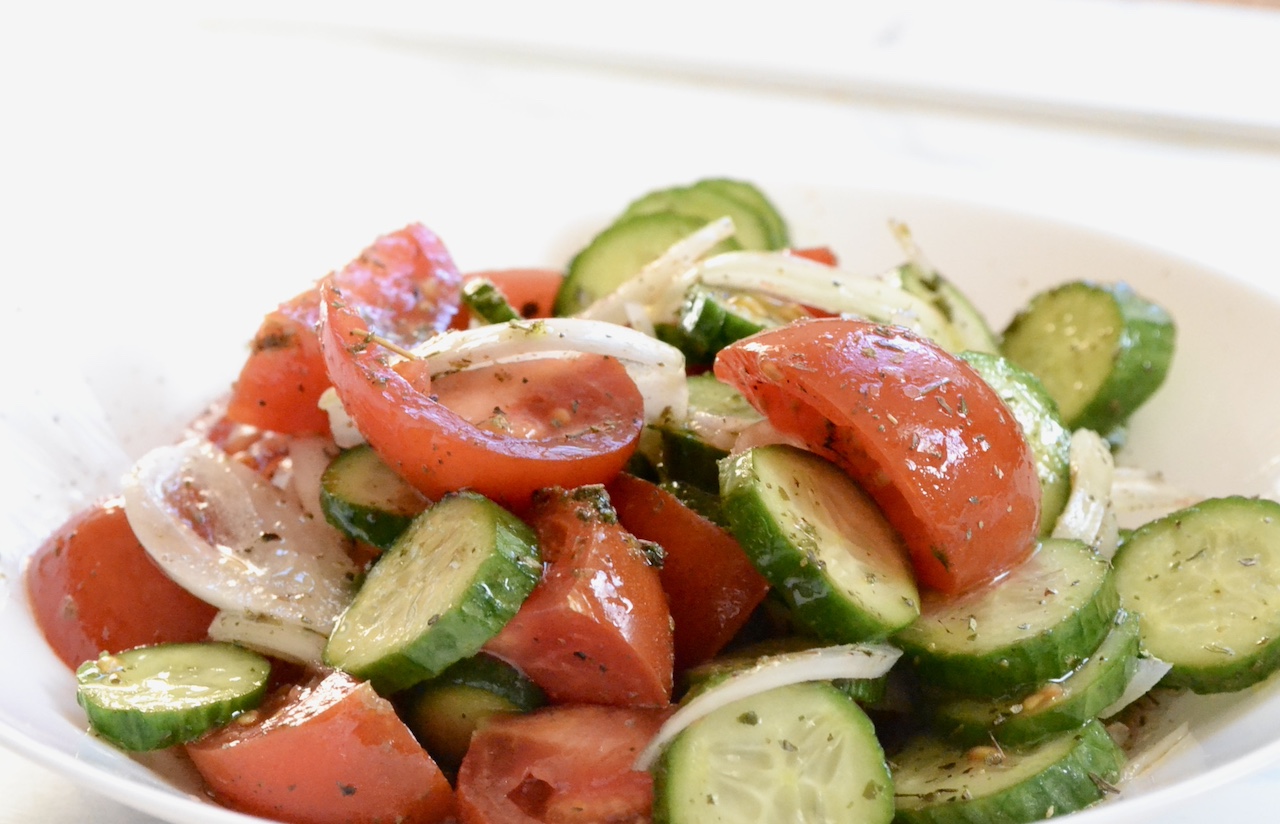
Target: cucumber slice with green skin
(750,194)
(802,753)
(486,302)
(619,253)
(1055,707)
(687,454)
(149,698)
(711,319)
(366,499)
(1101,350)
(1038,623)
(446,586)
(821,542)
(444,711)
(970,325)
(707,203)
(1204,581)
(939,783)
(705,503)
(1041,424)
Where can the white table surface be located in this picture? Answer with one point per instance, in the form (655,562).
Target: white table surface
(149,132)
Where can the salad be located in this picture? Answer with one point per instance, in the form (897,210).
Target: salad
(702,528)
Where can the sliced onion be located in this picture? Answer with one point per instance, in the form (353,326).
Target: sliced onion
(801,280)
(226,535)
(1141,495)
(309,457)
(1147,756)
(821,664)
(656,367)
(657,278)
(342,428)
(1147,675)
(1088,515)
(759,433)
(288,642)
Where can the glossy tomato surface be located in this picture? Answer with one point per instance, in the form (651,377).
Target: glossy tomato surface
(405,286)
(926,437)
(588,415)
(329,751)
(711,585)
(561,765)
(596,629)
(94,588)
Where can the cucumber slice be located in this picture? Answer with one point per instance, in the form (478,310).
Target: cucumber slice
(619,253)
(483,299)
(366,499)
(1204,582)
(1037,415)
(801,753)
(446,586)
(937,783)
(1101,350)
(715,411)
(444,711)
(711,319)
(1038,623)
(821,542)
(970,325)
(149,698)
(750,194)
(1054,707)
(707,203)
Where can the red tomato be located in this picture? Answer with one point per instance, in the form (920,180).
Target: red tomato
(560,765)
(93,588)
(584,416)
(915,426)
(820,254)
(710,582)
(405,286)
(596,627)
(330,751)
(531,292)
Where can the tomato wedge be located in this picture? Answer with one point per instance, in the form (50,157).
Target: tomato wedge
(330,751)
(531,292)
(406,286)
(582,416)
(596,628)
(561,765)
(927,438)
(711,585)
(93,588)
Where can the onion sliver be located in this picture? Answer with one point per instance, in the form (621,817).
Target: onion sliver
(668,272)
(288,642)
(226,535)
(1088,515)
(656,367)
(820,664)
(798,279)
(1147,675)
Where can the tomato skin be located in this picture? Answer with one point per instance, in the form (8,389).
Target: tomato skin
(93,588)
(596,629)
(927,438)
(818,254)
(598,419)
(407,288)
(530,291)
(330,751)
(711,585)
(559,765)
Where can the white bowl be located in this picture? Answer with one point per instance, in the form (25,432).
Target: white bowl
(67,440)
